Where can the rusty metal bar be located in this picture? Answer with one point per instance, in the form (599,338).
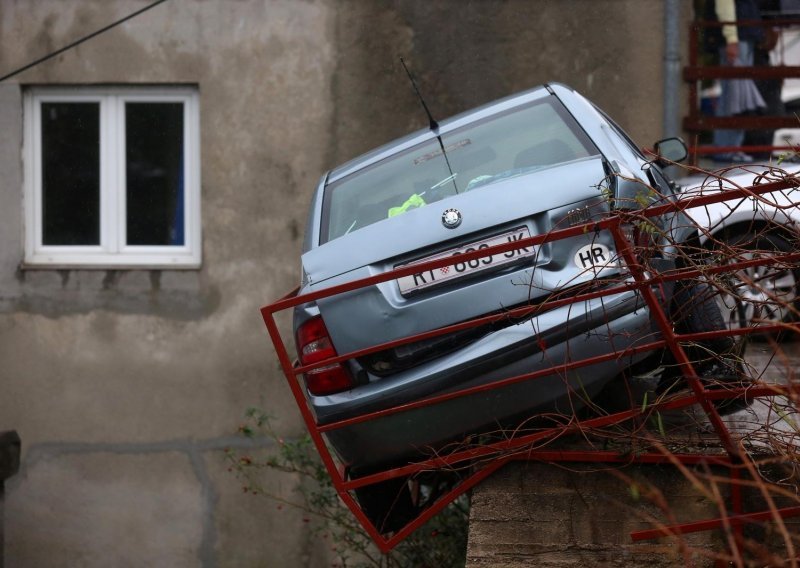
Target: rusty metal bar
(702,122)
(710,524)
(604,456)
(675,347)
(696,73)
(694,150)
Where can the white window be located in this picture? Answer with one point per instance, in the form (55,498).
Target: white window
(112,177)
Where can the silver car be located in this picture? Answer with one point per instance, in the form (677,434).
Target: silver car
(525,165)
(749,228)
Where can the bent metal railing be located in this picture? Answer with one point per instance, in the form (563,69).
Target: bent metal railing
(481,459)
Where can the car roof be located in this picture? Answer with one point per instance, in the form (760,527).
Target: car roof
(446,125)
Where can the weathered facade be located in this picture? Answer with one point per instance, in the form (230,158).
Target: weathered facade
(126,384)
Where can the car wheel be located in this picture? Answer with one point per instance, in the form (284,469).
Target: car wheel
(695,309)
(388,504)
(717,361)
(757,295)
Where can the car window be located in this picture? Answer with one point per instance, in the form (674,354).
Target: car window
(513,143)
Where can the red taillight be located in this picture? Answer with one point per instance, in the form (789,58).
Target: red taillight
(314,345)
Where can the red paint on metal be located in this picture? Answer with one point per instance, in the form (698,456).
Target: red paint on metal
(695,72)
(487,458)
(710,524)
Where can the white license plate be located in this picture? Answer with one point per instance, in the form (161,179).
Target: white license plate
(426,278)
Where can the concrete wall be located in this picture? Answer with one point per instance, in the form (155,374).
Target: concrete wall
(574,515)
(579,515)
(126,385)
(465,53)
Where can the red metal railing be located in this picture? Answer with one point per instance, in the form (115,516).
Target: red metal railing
(485,458)
(695,72)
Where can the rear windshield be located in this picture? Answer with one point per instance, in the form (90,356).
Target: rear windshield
(534,137)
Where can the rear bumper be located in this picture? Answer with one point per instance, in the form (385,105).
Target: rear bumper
(568,333)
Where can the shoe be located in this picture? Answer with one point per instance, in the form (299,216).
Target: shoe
(741,158)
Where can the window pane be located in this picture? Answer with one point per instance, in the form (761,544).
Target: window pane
(154,154)
(70,173)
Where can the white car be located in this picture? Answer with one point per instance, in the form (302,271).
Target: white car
(745,228)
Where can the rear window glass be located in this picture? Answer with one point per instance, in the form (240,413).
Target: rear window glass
(534,137)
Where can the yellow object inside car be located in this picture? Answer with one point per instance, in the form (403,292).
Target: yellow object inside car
(411,203)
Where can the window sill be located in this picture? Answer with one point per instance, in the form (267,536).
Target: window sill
(115,264)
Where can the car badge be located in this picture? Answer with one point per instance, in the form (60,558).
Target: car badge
(451,218)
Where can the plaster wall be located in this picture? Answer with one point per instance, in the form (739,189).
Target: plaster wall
(126,385)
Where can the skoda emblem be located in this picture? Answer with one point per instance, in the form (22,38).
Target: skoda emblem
(451,218)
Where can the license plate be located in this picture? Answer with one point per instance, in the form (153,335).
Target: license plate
(427,278)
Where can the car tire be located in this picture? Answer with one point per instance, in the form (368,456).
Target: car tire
(760,293)
(695,309)
(717,361)
(388,505)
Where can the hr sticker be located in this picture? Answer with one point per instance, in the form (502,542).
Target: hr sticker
(594,255)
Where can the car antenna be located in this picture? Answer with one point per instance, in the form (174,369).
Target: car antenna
(432,124)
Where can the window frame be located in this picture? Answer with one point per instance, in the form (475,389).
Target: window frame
(113,251)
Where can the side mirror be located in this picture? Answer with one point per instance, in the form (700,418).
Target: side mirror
(670,151)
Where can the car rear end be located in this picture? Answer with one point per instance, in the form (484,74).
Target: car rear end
(519,168)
